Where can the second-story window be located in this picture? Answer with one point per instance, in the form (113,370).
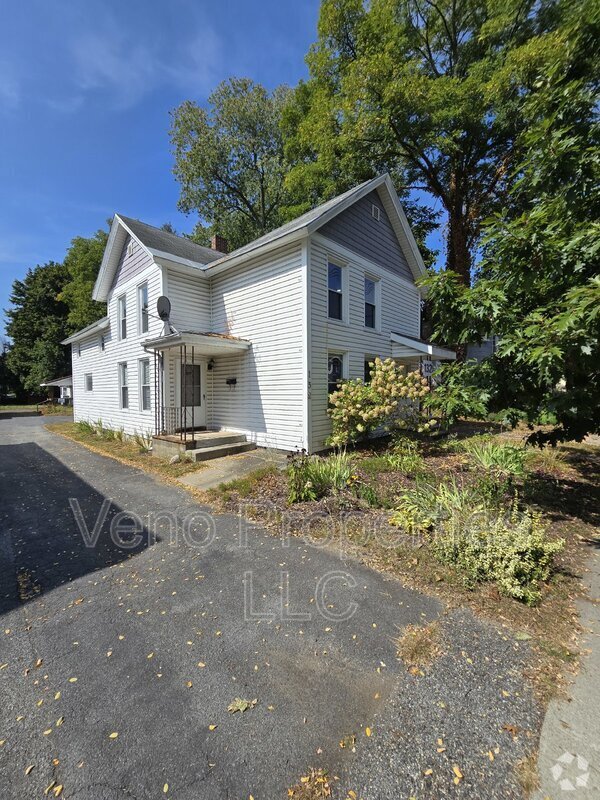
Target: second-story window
(370,303)
(335,287)
(122,309)
(143,307)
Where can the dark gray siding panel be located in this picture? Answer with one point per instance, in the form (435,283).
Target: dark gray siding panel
(358,230)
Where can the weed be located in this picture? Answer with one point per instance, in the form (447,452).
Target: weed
(496,458)
(313,477)
(419,644)
(314,786)
(527,774)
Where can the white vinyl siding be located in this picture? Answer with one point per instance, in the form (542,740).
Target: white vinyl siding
(399,310)
(190,300)
(104,402)
(262,301)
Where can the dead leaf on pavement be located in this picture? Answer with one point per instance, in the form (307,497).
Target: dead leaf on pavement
(241,705)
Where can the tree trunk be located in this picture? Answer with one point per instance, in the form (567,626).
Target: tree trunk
(459,256)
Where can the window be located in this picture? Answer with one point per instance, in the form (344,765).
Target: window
(335,371)
(143,307)
(102,343)
(370,303)
(368,369)
(145,384)
(88,381)
(130,247)
(123,385)
(375,212)
(334,283)
(122,306)
(78,349)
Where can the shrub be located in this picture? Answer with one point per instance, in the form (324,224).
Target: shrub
(509,549)
(313,477)
(547,459)
(143,441)
(85,427)
(389,400)
(404,456)
(458,393)
(426,505)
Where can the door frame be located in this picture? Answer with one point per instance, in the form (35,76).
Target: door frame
(199,411)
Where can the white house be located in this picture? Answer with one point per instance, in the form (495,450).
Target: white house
(256,338)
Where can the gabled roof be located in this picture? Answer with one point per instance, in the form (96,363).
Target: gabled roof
(163,246)
(68,381)
(319,216)
(159,241)
(89,330)
(404,346)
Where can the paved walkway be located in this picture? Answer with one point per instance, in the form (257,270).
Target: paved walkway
(569,757)
(229,468)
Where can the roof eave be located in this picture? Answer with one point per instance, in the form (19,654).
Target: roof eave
(90,330)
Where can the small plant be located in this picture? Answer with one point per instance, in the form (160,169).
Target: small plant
(143,441)
(313,477)
(499,459)
(426,505)
(404,456)
(550,460)
(419,644)
(85,427)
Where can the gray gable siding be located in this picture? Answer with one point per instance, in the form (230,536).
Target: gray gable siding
(358,230)
(132,265)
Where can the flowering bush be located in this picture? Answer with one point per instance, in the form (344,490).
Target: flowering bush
(391,399)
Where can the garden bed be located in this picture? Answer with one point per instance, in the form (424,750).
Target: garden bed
(557,493)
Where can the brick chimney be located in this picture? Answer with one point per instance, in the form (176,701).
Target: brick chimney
(219,243)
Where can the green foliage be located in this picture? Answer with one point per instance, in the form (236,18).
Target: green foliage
(37,323)
(404,456)
(484,539)
(389,400)
(427,91)
(510,549)
(143,441)
(537,286)
(82,263)
(457,395)
(229,160)
(313,477)
(498,459)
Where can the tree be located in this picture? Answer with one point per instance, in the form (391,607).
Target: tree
(82,263)
(423,89)
(37,322)
(538,286)
(229,160)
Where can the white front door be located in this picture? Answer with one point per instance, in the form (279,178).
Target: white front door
(192,396)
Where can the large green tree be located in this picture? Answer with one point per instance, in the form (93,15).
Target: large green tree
(82,263)
(229,160)
(538,285)
(37,322)
(422,89)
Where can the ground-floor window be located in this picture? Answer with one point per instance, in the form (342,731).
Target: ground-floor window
(335,371)
(88,381)
(123,385)
(368,368)
(145,384)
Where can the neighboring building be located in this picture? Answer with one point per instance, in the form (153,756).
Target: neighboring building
(258,337)
(60,390)
(486,349)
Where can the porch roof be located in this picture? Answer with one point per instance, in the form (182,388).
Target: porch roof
(404,346)
(208,344)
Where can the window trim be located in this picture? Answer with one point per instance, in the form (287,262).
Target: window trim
(123,385)
(141,385)
(344,356)
(377,305)
(367,359)
(87,375)
(122,306)
(343,267)
(141,330)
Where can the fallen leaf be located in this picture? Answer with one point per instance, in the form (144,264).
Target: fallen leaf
(457,774)
(367,731)
(59,721)
(57,696)
(29,769)
(428,772)
(201,664)
(39,662)
(58,790)
(113,735)
(212,727)
(49,787)
(166,788)
(241,705)
(72,680)
(48,732)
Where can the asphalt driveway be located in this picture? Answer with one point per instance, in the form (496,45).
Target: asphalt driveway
(130,619)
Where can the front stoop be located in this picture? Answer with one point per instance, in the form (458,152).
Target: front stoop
(204,445)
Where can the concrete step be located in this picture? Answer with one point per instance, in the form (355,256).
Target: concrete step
(216,438)
(208,453)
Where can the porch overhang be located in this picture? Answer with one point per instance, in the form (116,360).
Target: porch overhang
(204,344)
(410,347)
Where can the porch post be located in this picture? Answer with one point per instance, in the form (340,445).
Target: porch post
(193,429)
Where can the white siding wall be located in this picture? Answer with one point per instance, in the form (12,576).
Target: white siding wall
(190,300)
(263,301)
(399,311)
(103,401)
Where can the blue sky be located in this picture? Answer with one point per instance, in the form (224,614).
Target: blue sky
(85,94)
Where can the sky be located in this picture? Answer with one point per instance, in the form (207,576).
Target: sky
(85,94)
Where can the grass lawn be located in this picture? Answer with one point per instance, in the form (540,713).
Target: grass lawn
(44,409)
(126,451)
(563,486)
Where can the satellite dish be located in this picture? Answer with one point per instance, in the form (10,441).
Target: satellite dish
(163,307)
